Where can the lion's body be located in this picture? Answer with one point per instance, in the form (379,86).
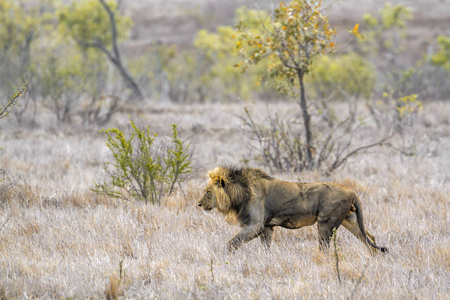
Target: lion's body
(262,202)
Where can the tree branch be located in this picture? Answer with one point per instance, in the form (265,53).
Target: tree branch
(336,164)
(113,28)
(4,111)
(6,221)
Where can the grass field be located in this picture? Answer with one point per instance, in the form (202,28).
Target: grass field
(60,240)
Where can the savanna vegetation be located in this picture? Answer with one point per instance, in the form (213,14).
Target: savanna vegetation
(111,112)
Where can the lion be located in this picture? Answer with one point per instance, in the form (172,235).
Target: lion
(262,202)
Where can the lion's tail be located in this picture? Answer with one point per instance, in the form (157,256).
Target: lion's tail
(360,218)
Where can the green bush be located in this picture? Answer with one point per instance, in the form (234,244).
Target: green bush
(387,32)
(143,167)
(221,59)
(442,57)
(342,76)
(393,112)
(86,21)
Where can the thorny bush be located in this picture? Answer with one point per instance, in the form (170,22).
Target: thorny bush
(144,167)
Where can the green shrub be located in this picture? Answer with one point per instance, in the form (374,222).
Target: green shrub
(442,57)
(386,34)
(5,109)
(399,113)
(222,64)
(342,76)
(144,167)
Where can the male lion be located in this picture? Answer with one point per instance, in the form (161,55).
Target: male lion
(262,202)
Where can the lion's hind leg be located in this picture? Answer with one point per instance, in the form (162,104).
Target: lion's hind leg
(325,228)
(351,224)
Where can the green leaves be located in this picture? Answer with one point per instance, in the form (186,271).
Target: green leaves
(13,101)
(408,105)
(87,21)
(18,24)
(395,15)
(177,160)
(343,76)
(221,55)
(144,168)
(383,32)
(442,57)
(296,33)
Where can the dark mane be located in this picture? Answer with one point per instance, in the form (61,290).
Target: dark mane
(239,183)
(239,174)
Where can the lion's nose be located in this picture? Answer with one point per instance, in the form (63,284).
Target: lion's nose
(199,204)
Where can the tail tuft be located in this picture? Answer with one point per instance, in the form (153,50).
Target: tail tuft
(384,249)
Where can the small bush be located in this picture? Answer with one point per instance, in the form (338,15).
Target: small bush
(5,109)
(342,77)
(442,57)
(12,102)
(144,167)
(280,145)
(397,113)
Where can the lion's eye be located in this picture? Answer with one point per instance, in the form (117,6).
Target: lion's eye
(207,192)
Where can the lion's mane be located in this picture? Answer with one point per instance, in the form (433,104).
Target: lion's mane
(233,188)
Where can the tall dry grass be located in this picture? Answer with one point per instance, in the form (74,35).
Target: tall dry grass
(59,239)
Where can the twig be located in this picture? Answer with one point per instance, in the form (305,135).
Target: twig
(336,164)
(359,281)
(400,150)
(212,271)
(6,221)
(336,254)
(4,111)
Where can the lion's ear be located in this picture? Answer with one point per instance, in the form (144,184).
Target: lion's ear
(222,182)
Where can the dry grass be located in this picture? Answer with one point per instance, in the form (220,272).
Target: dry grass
(62,240)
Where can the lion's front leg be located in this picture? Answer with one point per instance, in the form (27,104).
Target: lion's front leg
(266,236)
(247,233)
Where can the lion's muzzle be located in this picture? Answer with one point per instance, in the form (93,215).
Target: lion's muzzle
(204,206)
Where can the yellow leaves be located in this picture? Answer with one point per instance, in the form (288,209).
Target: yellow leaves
(297,32)
(355,31)
(408,105)
(404,106)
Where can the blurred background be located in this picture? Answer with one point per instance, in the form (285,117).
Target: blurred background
(184,52)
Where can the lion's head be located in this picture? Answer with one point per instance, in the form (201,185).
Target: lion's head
(215,195)
(229,188)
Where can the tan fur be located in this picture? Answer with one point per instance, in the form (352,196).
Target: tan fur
(261,202)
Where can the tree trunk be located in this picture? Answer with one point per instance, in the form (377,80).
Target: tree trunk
(115,56)
(306,120)
(129,81)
